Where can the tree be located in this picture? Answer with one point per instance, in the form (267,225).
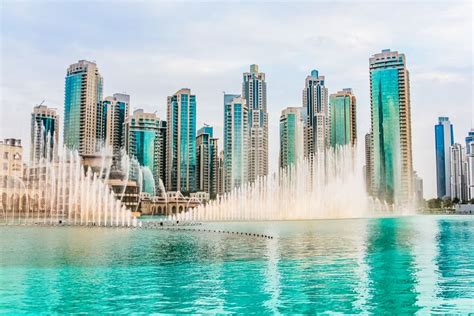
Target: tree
(434,203)
(447,202)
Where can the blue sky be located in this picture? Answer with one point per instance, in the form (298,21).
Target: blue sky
(152,49)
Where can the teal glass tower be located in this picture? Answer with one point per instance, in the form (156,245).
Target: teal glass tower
(83,113)
(392,170)
(444,139)
(342,118)
(181,142)
(146,142)
(291,136)
(44,133)
(116,109)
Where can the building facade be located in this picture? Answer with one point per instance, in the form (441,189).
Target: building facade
(181,142)
(291,136)
(254,91)
(368,163)
(391,128)
(83,111)
(470,171)
(444,139)
(146,142)
(458,173)
(236,138)
(315,101)
(207,161)
(11,155)
(342,118)
(44,133)
(116,110)
(469,140)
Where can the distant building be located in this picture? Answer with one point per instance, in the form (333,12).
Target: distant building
(315,102)
(368,163)
(220,174)
(342,118)
(11,155)
(83,111)
(236,138)
(458,173)
(418,188)
(291,136)
(44,133)
(444,139)
(181,142)
(254,91)
(470,171)
(146,142)
(469,140)
(391,128)
(207,161)
(117,108)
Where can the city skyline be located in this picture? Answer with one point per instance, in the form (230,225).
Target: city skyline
(285,83)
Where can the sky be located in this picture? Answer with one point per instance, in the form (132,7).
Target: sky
(151,49)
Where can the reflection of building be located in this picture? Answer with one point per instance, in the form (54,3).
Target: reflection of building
(181,142)
(145,141)
(342,118)
(458,172)
(291,136)
(44,133)
(11,155)
(391,128)
(444,139)
(207,161)
(254,91)
(235,141)
(83,113)
(315,101)
(116,110)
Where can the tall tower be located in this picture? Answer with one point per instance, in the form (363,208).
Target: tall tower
(469,140)
(315,101)
(207,161)
(291,136)
(444,139)
(145,141)
(44,133)
(459,165)
(254,91)
(83,113)
(342,118)
(391,128)
(116,110)
(368,163)
(181,142)
(236,138)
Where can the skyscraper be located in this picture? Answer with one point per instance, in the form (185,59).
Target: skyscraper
(236,138)
(368,163)
(444,139)
(83,113)
(181,142)
(254,91)
(44,133)
(458,172)
(470,171)
(342,118)
(291,136)
(469,140)
(207,161)
(315,101)
(391,128)
(146,142)
(116,108)
(220,174)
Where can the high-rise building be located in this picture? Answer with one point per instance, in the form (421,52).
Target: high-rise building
(469,140)
(368,163)
(44,133)
(342,118)
(291,136)
(470,171)
(254,91)
(83,112)
(116,108)
(146,142)
(418,188)
(220,174)
(391,128)
(315,101)
(11,158)
(458,172)
(236,138)
(207,161)
(181,142)
(444,139)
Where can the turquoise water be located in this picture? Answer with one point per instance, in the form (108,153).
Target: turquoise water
(403,265)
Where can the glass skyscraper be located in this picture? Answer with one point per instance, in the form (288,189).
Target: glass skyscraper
(83,112)
(146,142)
(207,161)
(44,133)
(291,136)
(116,110)
(444,139)
(391,128)
(342,118)
(236,138)
(181,142)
